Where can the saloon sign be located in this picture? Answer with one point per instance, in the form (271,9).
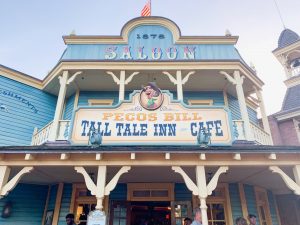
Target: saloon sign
(151,117)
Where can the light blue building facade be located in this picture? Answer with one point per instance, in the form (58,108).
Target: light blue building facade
(181,121)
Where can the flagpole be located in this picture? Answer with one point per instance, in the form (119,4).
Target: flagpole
(150,8)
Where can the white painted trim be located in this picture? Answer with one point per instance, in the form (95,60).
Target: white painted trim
(95,102)
(200,101)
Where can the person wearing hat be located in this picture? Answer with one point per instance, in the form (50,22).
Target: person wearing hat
(252,219)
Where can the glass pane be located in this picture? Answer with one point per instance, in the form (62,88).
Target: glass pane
(116,210)
(178,211)
(159,193)
(142,193)
(123,212)
(218,212)
(116,222)
(122,221)
(178,221)
(184,211)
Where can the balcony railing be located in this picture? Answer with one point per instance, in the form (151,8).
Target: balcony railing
(260,136)
(41,136)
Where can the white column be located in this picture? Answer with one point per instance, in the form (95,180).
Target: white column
(122,86)
(63,79)
(179,85)
(242,103)
(202,194)
(263,111)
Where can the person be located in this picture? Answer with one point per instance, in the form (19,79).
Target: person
(187,221)
(252,219)
(70,219)
(240,221)
(197,217)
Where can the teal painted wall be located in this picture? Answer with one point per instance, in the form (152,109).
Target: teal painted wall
(119,193)
(28,204)
(52,197)
(216,96)
(234,107)
(65,204)
(27,107)
(182,193)
(235,201)
(251,200)
(272,206)
(140,36)
(69,106)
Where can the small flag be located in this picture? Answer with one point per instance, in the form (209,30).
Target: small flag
(146,11)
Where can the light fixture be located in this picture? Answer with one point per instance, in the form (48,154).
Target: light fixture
(95,137)
(6,212)
(204,138)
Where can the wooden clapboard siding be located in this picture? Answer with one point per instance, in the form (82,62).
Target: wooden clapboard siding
(65,204)
(236,206)
(234,107)
(216,96)
(251,200)
(182,193)
(28,204)
(18,123)
(119,193)
(52,197)
(69,106)
(273,210)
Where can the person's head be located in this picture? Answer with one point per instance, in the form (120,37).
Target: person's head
(240,221)
(187,221)
(70,219)
(252,219)
(197,215)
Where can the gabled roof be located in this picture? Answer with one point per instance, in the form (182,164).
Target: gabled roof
(287,37)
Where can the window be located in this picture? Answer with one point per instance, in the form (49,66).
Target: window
(262,204)
(180,210)
(218,206)
(150,192)
(99,102)
(202,102)
(82,202)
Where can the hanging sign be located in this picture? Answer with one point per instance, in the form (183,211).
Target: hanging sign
(151,117)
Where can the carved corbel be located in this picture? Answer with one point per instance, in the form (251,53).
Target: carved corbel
(287,180)
(100,190)
(172,79)
(186,78)
(73,77)
(5,185)
(229,78)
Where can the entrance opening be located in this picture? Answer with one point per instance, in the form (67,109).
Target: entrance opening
(150,213)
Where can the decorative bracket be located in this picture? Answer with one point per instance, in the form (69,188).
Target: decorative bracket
(287,180)
(119,81)
(193,187)
(186,78)
(101,189)
(172,79)
(229,78)
(129,79)
(5,185)
(115,78)
(72,78)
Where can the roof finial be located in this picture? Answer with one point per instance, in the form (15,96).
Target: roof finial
(279,13)
(73,33)
(227,32)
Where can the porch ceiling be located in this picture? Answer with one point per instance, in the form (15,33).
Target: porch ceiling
(99,80)
(259,175)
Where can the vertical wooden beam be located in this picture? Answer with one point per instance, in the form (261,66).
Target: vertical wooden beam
(243,200)
(277,210)
(57,203)
(73,196)
(46,204)
(228,205)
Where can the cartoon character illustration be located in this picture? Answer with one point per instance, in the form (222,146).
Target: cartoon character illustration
(153,98)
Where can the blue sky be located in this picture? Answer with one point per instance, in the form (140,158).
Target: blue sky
(31,30)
